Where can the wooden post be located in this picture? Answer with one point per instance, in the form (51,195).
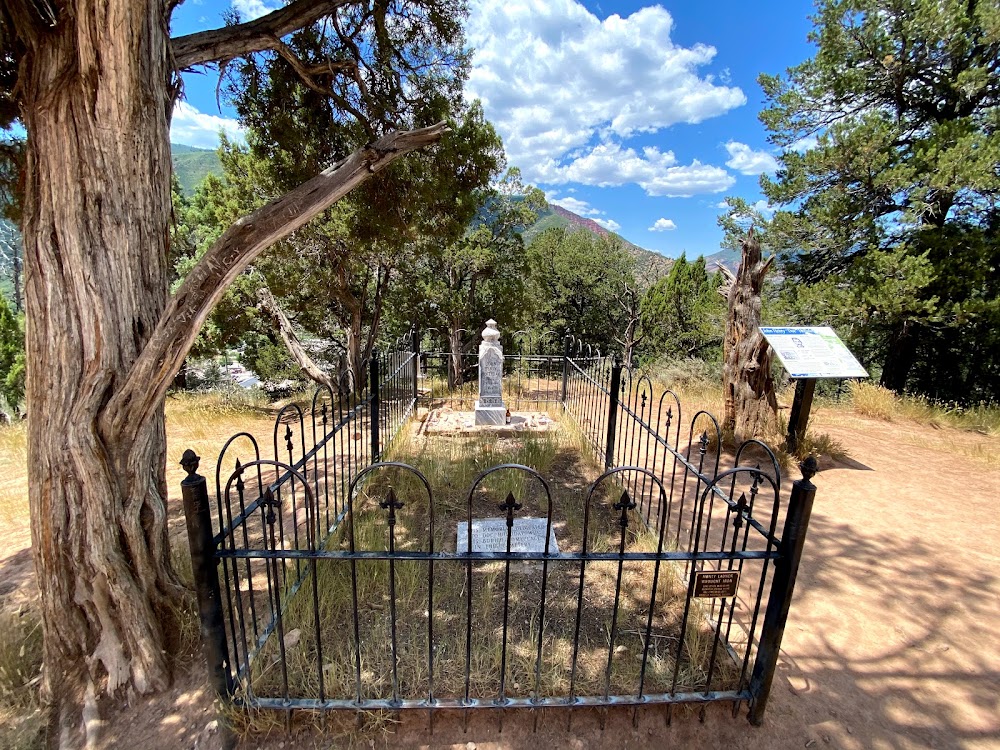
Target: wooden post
(799,417)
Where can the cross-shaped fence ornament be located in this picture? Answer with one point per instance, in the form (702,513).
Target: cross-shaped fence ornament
(510,505)
(741,508)
(392,505)
(755,487)
(240,486)
(270,502)
(625,504)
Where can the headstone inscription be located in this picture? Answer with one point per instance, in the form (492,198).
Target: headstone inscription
(490,408)
(490,535)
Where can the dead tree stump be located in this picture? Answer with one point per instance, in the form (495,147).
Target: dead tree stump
(750,403)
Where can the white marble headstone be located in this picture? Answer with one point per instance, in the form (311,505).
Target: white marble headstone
(490,535)
(490,408)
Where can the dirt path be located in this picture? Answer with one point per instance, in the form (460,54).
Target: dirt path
(893,636)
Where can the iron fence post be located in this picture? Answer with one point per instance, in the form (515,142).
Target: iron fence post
(415,346)
(793,537)
(204,567)
(616,384)
(565,372)
(375,406)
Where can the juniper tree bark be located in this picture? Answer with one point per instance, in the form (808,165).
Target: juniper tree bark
(104,339)
(748,387)
(97,104)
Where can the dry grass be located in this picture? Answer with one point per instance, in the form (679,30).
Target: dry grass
(14,473)
(22,725)
(871,400)
(451,464)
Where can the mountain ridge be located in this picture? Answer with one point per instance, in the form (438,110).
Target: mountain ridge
(193,164)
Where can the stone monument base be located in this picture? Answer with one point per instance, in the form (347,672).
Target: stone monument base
(492,415)
(450,423)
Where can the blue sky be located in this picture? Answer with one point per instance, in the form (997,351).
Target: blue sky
(641,117)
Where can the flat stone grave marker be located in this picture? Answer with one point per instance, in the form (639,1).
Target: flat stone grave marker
(490,535)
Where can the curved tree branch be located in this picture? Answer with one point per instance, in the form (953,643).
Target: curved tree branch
(213,45)
(289,56)
(161,358)
(292,342)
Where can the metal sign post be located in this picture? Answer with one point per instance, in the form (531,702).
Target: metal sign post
(810,354)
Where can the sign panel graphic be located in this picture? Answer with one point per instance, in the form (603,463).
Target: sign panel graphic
(813,353)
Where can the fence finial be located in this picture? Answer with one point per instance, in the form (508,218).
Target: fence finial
(809,467)
(190,462)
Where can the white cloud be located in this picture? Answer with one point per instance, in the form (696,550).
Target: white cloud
(577,206)
(193,128)
(663,225)
(744,159)
(251,9)
(807,143)
(553,77)
(610,224)
(761,206)
(655,171)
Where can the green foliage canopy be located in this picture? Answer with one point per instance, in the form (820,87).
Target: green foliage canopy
(578,282)
(893,212)
(683,314)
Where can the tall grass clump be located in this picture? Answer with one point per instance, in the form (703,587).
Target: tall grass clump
(871,400)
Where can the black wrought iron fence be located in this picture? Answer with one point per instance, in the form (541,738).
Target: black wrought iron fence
(667,582)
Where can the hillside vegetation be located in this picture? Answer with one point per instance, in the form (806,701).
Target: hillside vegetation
(192,165)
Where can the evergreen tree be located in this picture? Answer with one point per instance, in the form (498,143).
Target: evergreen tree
(11,361)
(898,198)
(578,279)
(683,313)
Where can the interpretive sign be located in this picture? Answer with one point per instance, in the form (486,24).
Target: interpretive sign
(813,353)
(490,535)
(716,584)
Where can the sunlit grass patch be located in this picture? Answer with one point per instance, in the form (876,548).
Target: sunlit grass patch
(14,473)
(872,400)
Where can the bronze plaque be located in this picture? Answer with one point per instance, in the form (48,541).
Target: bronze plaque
(716,584)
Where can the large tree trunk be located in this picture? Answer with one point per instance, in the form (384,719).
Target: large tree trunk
(748,387)
(355,347)
(97,208)
(899,357)
(104,341)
